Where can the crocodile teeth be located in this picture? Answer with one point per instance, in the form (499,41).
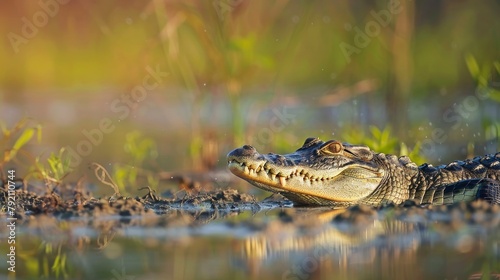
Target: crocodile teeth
(257,169)
(246,169)
(282,181)
(273,176)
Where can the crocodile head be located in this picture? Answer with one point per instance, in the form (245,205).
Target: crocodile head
(318,173)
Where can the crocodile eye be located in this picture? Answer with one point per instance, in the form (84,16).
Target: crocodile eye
(332,147)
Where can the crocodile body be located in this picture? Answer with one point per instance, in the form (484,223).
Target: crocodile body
(340,175)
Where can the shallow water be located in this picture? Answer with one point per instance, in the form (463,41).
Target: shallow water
(277,243)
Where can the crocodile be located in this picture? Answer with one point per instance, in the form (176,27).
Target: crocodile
(339,174)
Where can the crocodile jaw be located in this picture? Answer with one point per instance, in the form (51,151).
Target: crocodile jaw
(340,184)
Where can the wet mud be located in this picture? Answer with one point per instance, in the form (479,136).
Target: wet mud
(222,202)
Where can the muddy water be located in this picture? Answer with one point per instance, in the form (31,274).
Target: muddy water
(263,242)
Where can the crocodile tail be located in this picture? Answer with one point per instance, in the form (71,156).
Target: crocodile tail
(489,190)
(464,191)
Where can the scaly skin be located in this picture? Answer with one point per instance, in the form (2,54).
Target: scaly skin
(340,174)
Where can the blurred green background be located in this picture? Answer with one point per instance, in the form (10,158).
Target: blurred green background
(199,78)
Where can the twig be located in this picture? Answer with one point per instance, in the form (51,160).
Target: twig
(103,176)
(151,194)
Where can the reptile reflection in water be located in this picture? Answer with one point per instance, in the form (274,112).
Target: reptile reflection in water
(319,245)
(313,238)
